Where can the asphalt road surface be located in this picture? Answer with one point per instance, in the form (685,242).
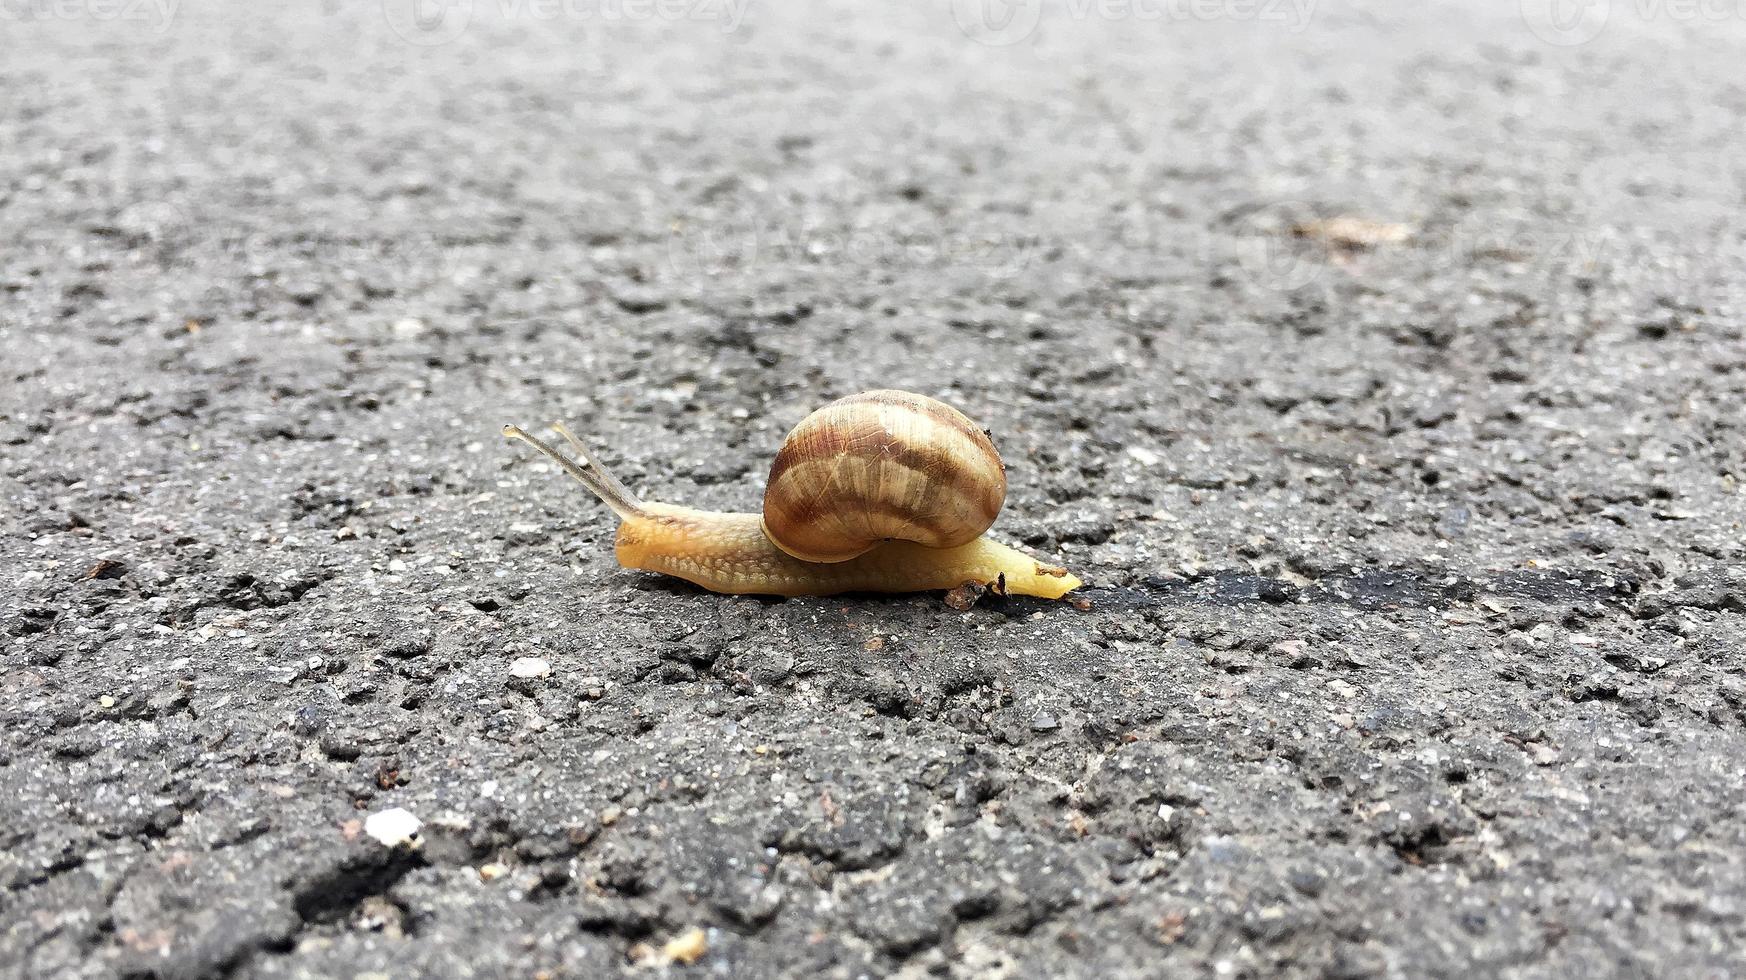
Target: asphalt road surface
(1379,366)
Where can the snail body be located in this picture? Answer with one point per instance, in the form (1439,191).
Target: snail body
(730,553)
(885,491)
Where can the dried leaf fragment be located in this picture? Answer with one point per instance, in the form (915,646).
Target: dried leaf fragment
(965,596)
(1352,234)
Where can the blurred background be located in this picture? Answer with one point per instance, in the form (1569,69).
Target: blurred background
(450,211)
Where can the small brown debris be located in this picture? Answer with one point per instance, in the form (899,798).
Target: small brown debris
(1077,823)
(687,947)
(965,596)
(1081,603)
(1171,927)
(107,568)
(833,813)
(1352,234)
(155,942)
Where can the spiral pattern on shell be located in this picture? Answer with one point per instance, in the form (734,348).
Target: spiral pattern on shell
(877,466)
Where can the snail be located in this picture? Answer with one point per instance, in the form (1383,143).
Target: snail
(884,491)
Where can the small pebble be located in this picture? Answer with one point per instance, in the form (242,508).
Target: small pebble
(529,668)
(687,947)
(394,827)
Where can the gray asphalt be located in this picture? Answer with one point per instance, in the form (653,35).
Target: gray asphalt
(1380,367)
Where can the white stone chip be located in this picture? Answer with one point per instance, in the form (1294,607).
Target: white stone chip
(394,827)
(529,668)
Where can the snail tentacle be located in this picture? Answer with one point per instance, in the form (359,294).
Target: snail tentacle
(618,490)
(597,478)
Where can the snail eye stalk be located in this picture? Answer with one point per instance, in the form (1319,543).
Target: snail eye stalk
(598,479)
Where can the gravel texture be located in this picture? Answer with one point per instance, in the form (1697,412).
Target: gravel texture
(1380,366)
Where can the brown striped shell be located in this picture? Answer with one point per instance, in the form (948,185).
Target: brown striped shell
(881,465)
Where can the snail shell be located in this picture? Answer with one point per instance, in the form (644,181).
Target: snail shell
(877,466)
